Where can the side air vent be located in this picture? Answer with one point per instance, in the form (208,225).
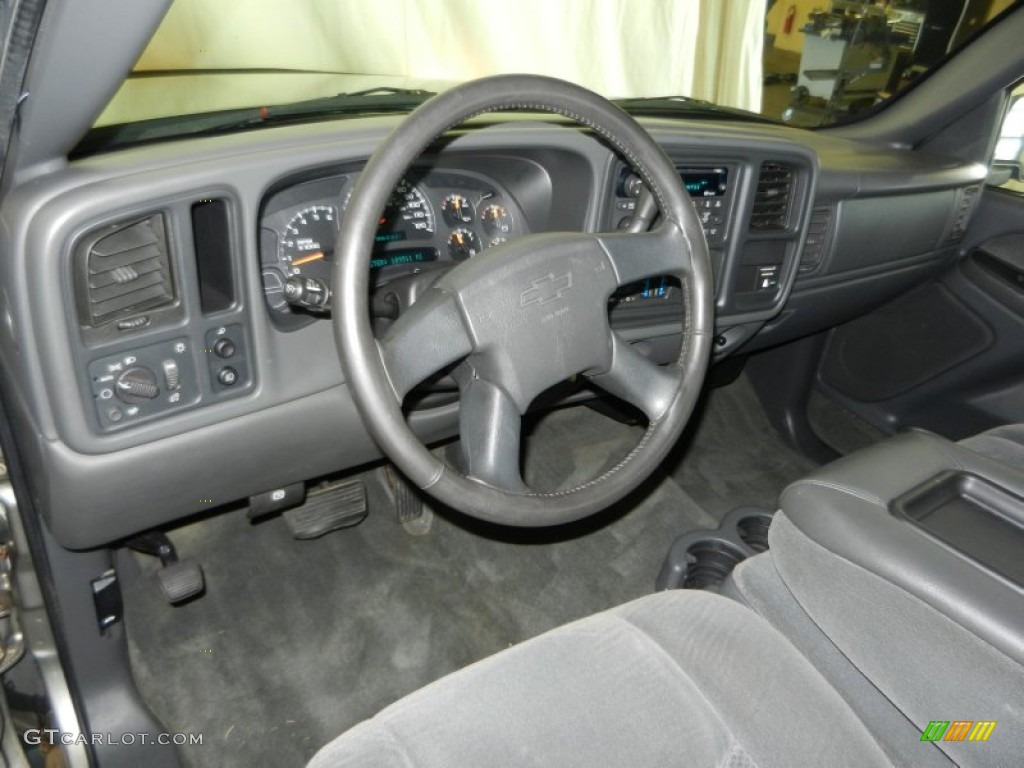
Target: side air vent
(817,239)
(124,269)
(772,198)
(962,213)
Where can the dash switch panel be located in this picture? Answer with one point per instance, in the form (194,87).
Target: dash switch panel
(138,385)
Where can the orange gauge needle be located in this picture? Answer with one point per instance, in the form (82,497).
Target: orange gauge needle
(315,256)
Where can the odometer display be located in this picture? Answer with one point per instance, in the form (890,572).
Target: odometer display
(403,256)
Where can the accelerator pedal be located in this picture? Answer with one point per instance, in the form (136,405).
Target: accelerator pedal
(413,515)
(328,509)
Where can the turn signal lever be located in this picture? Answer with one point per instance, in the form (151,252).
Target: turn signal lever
(387,301)
(308,293)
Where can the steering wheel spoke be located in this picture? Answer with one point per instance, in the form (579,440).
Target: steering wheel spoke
(637,380)
(489,427)
(634,257)
(424,339)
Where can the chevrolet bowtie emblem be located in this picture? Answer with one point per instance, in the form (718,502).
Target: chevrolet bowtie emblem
(545,289)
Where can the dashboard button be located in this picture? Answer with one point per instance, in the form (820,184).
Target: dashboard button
(224,348)
(227,376)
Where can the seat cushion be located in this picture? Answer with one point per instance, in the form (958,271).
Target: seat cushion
(1005,444)
(677,678)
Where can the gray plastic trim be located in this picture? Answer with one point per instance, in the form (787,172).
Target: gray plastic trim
(82,54)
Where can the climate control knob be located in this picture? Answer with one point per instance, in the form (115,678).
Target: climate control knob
(136,385)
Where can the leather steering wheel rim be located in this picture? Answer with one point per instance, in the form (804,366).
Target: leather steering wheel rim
(455,321)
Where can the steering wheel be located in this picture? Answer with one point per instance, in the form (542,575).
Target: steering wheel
(522,316)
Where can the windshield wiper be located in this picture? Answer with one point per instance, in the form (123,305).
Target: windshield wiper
(370,101)
(685,106)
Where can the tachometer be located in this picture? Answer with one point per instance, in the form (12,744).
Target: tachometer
(308,241)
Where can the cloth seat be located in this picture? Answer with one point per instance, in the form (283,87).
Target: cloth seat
(676,678)
(1004,444)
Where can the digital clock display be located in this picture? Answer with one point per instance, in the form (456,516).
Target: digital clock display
(403,256)
(392,236)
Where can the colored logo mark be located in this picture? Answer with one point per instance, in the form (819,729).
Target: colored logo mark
(958,730)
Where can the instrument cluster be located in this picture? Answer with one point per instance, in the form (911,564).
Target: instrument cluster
(431,216)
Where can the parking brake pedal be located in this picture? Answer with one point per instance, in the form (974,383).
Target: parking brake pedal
(328,509)
(179,580)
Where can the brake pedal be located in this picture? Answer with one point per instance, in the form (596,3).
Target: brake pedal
(179,580)
(328,509)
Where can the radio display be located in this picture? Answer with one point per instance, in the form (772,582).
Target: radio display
(705,182)
(403,256)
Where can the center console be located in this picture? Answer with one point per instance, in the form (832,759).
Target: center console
(908,557)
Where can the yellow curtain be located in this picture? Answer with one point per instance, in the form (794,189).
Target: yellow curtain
(708,49)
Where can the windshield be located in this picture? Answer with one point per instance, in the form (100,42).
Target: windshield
(804,62)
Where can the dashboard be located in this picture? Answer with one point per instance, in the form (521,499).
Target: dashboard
(167,354)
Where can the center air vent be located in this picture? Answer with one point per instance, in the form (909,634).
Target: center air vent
(772,198)
(123,269)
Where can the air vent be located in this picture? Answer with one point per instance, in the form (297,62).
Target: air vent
(124,269)
(962,213)
(817,238)
(772,199)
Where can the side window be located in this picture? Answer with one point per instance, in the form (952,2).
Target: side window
(1009,154)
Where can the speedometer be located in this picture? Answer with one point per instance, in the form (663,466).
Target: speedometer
(406,216)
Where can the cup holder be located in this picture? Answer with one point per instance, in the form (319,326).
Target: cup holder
(704,559)
(709,562)
(753,531)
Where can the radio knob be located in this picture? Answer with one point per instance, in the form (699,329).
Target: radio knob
(136,385)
